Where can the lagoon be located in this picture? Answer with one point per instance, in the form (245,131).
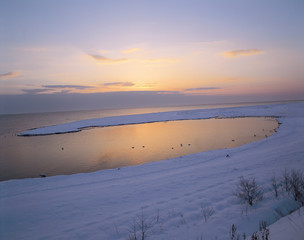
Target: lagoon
(98,148)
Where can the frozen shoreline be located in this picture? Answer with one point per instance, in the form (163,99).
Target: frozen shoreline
(170,193)
(248,111)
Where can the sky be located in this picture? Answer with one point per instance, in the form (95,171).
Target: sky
(60,55)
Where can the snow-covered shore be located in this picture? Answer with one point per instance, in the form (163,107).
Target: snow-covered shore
(170,194)
(261,110)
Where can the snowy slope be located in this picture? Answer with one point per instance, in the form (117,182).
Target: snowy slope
(290,227)
(170,194)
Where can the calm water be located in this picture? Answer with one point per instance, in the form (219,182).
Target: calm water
(112,147)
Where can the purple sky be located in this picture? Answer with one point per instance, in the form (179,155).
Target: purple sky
(70,55)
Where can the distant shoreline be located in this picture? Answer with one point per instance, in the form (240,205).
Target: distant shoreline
(232,112)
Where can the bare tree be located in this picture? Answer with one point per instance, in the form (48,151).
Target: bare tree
(275,185)
(249,191)
(133,231)
(285,180)
(295,182)
(144,225)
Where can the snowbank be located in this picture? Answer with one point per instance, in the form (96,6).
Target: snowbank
(263,110)
(171,195)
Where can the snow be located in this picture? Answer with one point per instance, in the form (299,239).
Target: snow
(290,227)
(263,110)
(170,194)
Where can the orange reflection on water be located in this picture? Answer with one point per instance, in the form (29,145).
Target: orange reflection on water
(111,147)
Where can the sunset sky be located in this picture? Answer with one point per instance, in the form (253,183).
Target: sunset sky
(127,52)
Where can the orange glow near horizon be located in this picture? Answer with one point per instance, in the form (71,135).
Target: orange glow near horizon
(202,68)
(206,72)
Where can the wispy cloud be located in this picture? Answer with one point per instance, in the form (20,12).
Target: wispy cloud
(103,59)
(106,60)
(37,90)
(78,87)
(242,52)
(201,89)
(57,89)
(8,75)
(130,50)
(120,84)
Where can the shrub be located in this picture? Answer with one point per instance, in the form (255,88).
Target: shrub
(233,234)
(207,212)
(140,227)
(262,234)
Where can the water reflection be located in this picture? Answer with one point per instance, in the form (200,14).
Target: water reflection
(112,147)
